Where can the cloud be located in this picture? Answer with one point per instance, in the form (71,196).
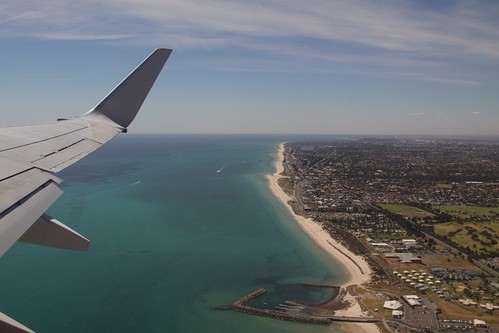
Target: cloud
(78,36)
(386,33)
(476,113)
(444,80)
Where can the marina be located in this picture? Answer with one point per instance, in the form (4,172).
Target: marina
(294,311)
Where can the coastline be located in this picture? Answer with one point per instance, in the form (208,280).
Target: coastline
(356,268)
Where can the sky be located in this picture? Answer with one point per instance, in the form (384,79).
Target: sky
(401,67)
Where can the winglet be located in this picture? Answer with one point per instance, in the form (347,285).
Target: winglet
(123,103)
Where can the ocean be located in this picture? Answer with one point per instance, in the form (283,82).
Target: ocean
(179,224)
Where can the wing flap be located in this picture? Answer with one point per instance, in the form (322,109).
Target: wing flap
(10,168)
(48,231)
(19,186)
(19,217)
(9,325)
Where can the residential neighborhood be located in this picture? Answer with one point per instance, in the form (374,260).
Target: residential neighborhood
(424,214)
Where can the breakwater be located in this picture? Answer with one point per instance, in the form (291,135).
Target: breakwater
(318,285)
(290,311)
(346,255)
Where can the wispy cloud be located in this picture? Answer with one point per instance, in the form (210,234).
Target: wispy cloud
(79,36)
(445,80)
(388,33)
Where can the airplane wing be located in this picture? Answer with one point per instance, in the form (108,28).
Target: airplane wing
(30,155)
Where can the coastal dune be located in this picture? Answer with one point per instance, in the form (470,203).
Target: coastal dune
(356,267)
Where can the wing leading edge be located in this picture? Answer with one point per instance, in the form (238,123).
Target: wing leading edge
(31,154)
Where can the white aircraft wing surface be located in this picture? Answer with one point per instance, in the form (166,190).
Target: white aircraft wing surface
(30,155)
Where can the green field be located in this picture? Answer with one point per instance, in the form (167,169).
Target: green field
(405,210)
(481,237)
(469,211)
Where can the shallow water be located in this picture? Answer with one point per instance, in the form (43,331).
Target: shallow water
(172,238)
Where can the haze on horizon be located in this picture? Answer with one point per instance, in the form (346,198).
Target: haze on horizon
(400,67)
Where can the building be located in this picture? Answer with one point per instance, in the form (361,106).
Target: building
(412,300)
(397,314)
(404,257)
(393,305)
(479,323)
(409,242)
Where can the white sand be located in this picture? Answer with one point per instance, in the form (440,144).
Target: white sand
(360,327)
(320,236)
(356,275)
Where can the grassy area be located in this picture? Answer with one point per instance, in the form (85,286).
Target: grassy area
(481,237)
(468,211)
(372,302)
(405,210)
(359,290)
(455,310)
(448,262)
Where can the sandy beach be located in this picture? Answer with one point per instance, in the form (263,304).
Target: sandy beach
(357,276)
(356,267)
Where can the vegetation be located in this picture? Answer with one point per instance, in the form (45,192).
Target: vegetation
(408,211)
(375,305)
(479,237)
(460,212)
(448,261)
(456,310)
(287,185)
(359,290)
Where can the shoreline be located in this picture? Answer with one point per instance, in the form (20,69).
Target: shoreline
(356,268)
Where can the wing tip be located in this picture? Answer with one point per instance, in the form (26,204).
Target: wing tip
(122,104)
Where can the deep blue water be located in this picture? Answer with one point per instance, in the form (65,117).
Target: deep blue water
(172,238)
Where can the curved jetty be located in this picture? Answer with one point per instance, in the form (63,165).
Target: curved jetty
(318,285)
(290,311)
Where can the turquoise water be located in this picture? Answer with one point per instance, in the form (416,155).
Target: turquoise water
(172,238)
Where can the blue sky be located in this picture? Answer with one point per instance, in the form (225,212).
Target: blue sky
(288,66)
